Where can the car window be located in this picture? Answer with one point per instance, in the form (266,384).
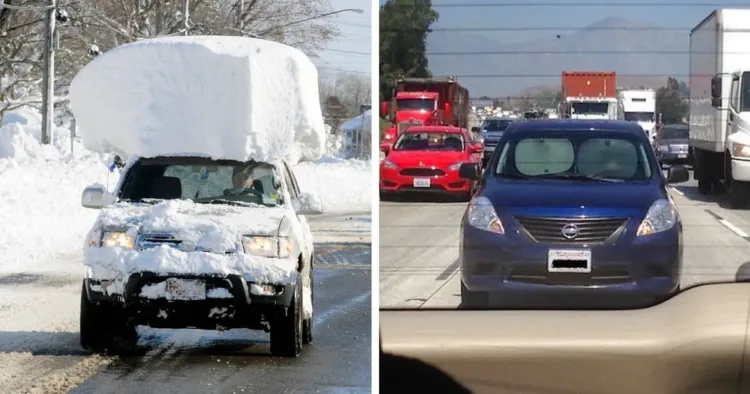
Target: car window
(430,141)
(544,156)
(618,158)
(244,182)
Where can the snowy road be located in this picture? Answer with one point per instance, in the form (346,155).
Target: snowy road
(39,348)
(419,247)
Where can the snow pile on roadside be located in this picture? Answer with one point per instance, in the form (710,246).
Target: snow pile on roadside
(225,97)
(343,185)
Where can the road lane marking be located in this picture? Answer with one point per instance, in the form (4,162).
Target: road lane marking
(674,189)
(448,271)
(729,225)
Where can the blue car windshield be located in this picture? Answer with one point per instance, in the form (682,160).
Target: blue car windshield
(575,155)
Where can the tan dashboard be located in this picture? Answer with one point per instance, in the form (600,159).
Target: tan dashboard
(692,343)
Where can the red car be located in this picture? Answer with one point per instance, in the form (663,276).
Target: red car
(427,159)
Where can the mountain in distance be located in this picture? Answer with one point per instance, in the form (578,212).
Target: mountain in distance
(526,74)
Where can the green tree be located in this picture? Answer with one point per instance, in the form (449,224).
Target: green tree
(404,25)
(669,102)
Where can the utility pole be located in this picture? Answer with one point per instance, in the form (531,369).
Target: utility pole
(186,17)
(48,102)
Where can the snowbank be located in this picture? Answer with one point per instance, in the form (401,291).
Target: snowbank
(224,97)
(343,185)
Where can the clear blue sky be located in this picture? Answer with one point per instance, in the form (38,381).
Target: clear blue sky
(556,14)
(355,36)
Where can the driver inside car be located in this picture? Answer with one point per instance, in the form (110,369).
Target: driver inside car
(255,179)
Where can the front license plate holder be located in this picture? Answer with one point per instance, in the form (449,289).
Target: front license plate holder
(421,182)
(569,261)
(185,289)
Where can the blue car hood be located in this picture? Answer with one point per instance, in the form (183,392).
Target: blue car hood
(560,194)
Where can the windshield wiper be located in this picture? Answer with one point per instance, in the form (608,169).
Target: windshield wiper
(578,177)
(227,202)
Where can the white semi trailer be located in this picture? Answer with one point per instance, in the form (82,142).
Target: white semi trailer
(639,106)
(720,104)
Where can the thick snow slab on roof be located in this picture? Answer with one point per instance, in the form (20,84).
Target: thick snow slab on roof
(224,97)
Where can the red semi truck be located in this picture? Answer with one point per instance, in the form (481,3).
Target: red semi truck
(589,95)
(426,101)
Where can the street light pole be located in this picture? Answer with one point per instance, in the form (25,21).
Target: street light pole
(48,82)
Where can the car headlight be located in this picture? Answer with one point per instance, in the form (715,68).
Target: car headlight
(664,148)
(661,216)
(455,167)
(267,246)
(740,150)
(482,215)
(115,239)
(389,164)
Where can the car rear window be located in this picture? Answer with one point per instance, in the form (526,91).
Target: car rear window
(436,141)
(605,156)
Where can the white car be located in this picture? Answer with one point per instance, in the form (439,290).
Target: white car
(193,242)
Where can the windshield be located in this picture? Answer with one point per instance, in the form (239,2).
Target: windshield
(674,133)
(430,142)
(639,116)
(568,155)
(416,104)
(590,108)
(496,124)
(202,181)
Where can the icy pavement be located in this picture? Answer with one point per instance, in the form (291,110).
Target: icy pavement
(40,352)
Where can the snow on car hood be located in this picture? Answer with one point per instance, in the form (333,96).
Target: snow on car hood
(210,235)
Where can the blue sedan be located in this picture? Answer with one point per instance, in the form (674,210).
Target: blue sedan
(571,214)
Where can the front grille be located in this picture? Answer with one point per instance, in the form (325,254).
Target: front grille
(148,241)
(678,148)
(600,275)
(590,230)
(422,172)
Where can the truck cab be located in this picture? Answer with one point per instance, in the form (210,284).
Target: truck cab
(737,121)
(639,106)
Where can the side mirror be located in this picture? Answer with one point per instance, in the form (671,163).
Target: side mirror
(678,174)
(476,148)
(469,171)
(475,130)
(309,204)
(385,148)
(94,197)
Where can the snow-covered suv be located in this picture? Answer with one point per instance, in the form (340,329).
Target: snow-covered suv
(193,242)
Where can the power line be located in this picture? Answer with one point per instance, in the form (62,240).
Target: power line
(349,52)
(585,52)
(557,28)
(576,4)
(559,74)
(343,70)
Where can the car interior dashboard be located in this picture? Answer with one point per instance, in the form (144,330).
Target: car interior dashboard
(695,342)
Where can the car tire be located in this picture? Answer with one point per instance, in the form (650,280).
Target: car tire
(104,329)
(286,327)
(307,324)
(473,299)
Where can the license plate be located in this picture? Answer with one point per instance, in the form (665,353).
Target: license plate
(421,182)
(569,261)
(185,289)
(682,156)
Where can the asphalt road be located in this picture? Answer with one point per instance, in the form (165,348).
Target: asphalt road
(40,352)
(419,247)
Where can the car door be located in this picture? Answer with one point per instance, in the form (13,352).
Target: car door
(295,193)
(473,157)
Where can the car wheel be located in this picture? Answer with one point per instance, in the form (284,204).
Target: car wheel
(307,324)
(103,329)
(473,299)
(286,328)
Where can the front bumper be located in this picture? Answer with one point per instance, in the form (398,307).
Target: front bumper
(631,273)
(392,181)
(741,170)
(245,308)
